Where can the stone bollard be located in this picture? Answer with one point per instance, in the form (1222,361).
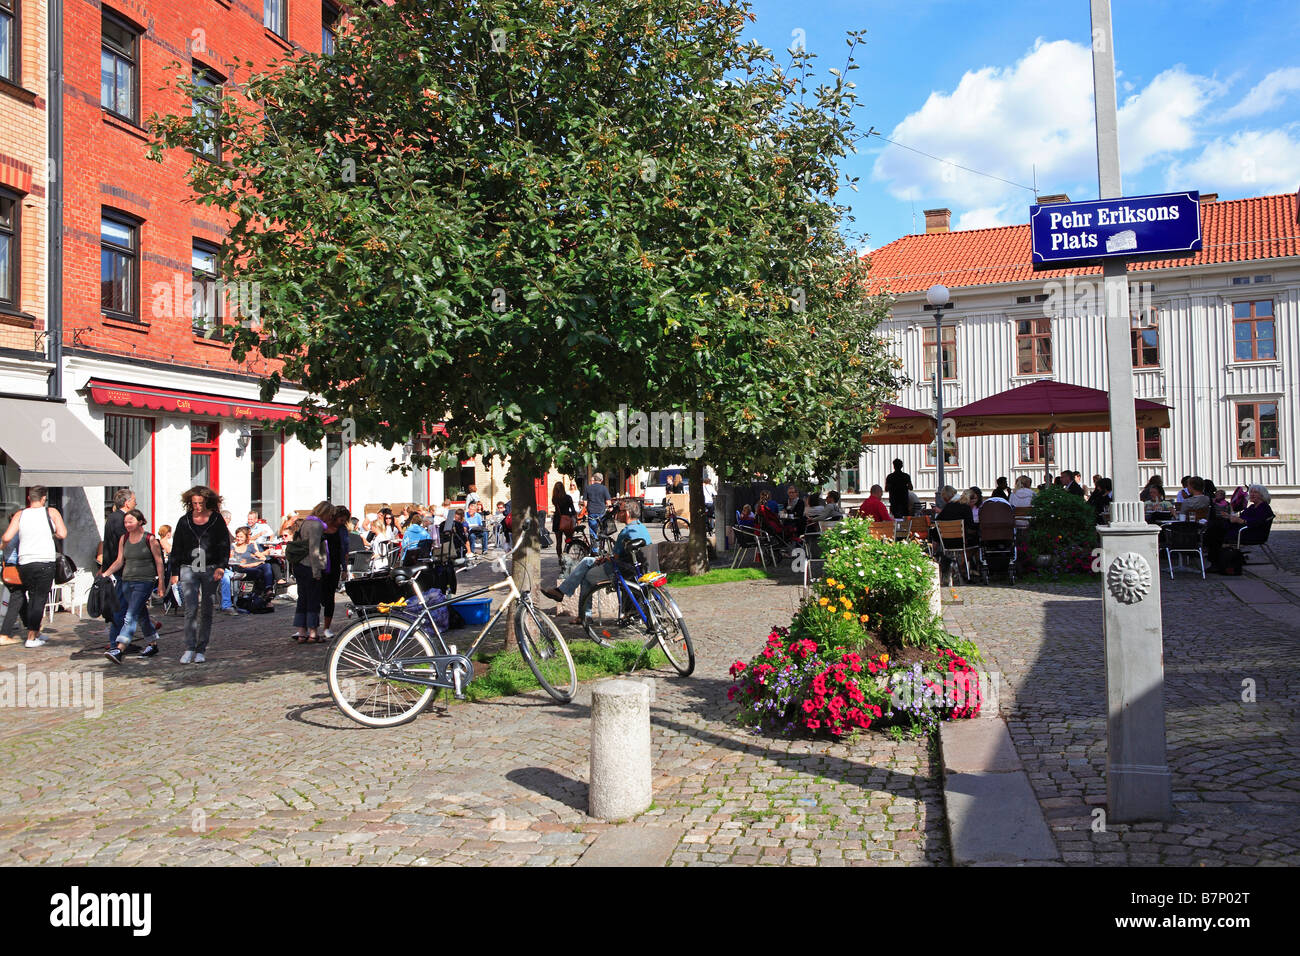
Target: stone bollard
(620,750)
(935,588)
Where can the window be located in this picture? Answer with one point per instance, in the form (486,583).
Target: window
(949,455)
(117,69)
(1241,280)
(1034,347)
(949,352)
(118,245)
(1252,331)
(1261,279)
(205,297)
(9,45)
(1146,342)
(264,462)
(1037,448)
(329,28)
(10,206)
(204,445)
(128,437)
(274,16)
(207,107)
(1257,430)
(1149,444)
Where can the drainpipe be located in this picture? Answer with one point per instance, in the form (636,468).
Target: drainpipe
(54,203)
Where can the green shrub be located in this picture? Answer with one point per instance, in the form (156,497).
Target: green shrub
(1063,526)
(888,581)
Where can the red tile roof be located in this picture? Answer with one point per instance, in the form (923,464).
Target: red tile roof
(1237,230)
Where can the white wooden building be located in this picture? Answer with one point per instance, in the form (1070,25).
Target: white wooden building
(1215,335)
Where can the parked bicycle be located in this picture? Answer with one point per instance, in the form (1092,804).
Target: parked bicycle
(641,601)
(676,527)
(387,668)
(583,545)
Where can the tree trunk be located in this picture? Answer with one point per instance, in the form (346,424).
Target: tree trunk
(698,549)
(527,566)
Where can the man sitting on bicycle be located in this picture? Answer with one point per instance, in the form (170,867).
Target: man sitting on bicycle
(591,571)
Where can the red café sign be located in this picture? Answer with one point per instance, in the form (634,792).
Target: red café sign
(187,403)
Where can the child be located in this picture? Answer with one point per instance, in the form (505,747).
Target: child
(747,519)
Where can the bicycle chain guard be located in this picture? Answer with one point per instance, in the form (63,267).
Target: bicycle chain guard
(443,676)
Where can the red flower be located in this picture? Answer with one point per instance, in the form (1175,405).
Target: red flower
(809,707)
(737,668)
(837,702)
(731,692)
(812,724)
(819,702)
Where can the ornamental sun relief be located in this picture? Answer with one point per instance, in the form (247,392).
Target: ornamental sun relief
(1129,577)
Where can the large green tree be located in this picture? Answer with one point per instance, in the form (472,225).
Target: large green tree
(514,216)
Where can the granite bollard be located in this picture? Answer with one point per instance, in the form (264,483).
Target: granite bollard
(620,749)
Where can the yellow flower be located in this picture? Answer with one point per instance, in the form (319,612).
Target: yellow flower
(848,615)
(884,658)
(824,601)
(831,582)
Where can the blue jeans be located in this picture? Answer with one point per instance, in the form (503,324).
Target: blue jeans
(586,574)
(226,603)
(593,522)
(481,535)
(132,610)
(197,588)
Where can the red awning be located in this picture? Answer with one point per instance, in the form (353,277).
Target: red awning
(1048,405)
(901,426)
(187,403)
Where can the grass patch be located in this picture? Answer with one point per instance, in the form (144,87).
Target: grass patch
(510,675)
(680,579)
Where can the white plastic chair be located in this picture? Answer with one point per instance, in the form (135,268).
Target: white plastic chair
(70,596)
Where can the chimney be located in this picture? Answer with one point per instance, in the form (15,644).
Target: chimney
(1209,197)
(1053,199)
(937,220)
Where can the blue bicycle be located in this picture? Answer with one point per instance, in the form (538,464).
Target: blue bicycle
(642,600)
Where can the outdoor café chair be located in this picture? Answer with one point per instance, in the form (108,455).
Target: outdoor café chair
(1236,542)
(1182,537)
(953,543)
(997,538)
(749,539)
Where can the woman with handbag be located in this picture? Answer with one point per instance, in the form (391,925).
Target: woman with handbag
(140,563)
(38,528)
(564,518)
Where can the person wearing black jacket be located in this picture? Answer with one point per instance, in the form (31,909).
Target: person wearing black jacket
(115,524)
(199,558)
(561,505)
(897,485)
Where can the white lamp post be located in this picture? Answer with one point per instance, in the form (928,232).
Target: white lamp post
(937,297)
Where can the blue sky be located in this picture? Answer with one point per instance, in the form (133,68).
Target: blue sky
(1209,96)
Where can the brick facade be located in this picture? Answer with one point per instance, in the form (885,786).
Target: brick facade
(107,167)
(23,150)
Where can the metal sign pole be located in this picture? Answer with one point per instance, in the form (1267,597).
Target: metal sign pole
(1138,783)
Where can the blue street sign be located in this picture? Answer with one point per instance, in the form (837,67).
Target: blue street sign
(1131,227)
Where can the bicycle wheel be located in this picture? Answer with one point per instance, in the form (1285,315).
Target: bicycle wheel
(578,548)
(605,622)
(676,528)
(352,672)
(542,646)
(672,633)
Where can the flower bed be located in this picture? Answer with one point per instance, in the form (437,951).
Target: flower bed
(862,651)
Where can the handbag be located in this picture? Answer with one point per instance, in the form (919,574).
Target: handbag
(12,578)
(64,567)
(566,524)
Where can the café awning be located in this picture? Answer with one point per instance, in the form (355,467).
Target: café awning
(901,426)
(1048,406)
(52,447)
(187,403)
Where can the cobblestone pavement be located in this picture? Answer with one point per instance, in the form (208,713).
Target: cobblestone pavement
(245,760)
(1235,761)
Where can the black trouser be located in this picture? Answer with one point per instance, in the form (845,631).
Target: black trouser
(37,578)
(307,611)
(329,586)
(14,612)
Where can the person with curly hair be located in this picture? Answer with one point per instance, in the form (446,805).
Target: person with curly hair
(199,558)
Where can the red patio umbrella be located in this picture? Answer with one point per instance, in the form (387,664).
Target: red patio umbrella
(901,426)
(1048,406)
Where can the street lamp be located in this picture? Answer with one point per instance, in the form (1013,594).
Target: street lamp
(937,297)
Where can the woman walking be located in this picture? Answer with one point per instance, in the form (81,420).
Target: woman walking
(36,527)
(562,508)
(140,561)
(308,558)
(199,558)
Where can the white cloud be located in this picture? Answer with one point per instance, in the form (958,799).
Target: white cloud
(1036,115)
(986,217)
(1268,94)
(1251,163)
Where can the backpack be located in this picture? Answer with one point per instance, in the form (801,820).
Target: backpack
(295,552)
